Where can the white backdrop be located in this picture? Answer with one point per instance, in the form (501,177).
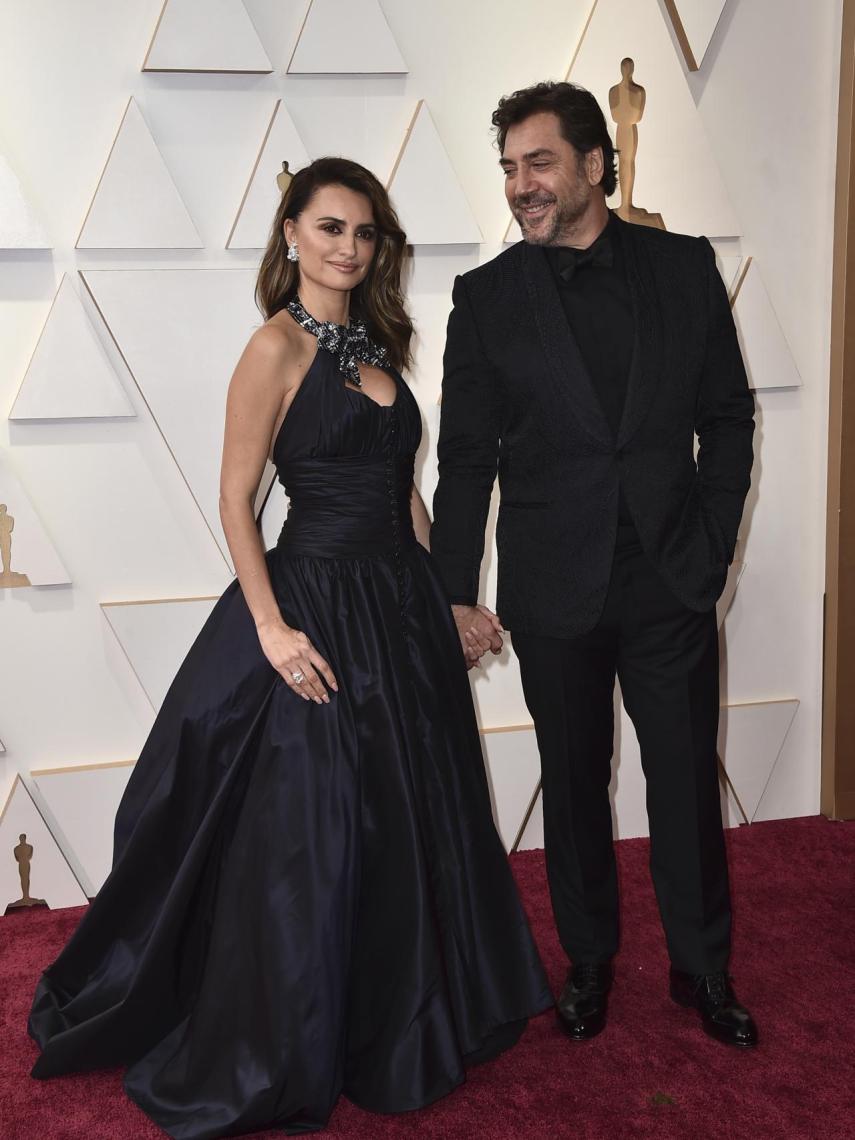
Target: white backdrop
(109,491)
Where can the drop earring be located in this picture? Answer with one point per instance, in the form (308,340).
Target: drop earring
(293,253)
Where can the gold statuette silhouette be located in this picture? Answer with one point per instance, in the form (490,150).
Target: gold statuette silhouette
(8,577)
(24,856)
(626,101)
(283,178)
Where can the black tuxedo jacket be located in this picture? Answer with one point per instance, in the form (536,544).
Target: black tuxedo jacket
(517,400)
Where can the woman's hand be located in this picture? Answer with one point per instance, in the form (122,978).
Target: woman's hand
(297,661)
(479,630)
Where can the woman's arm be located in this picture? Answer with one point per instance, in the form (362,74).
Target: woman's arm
(421,519)
(476,643)
(261,384)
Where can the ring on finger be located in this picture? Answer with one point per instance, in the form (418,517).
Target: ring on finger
(299,677)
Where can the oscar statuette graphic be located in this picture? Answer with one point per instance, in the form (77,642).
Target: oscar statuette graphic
(8,577)
(23,853)
(626,101)
(283,178)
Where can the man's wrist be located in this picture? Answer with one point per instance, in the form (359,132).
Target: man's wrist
(461,610)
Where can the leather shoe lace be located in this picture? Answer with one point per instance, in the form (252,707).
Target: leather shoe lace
(722,1015)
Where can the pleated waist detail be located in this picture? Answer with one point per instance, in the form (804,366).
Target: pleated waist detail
(347,506)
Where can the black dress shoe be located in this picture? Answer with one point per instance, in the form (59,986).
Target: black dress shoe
(581,1008)
(713,997)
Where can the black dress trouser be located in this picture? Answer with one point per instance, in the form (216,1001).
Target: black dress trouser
(666,659)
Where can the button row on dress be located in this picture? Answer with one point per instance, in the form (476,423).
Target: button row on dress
(393,502)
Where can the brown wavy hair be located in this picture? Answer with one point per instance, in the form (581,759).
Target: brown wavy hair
(581,120)
(378,299)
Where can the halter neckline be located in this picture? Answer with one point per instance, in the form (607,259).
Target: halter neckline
(350,344)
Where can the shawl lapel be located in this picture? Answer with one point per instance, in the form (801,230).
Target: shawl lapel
(568,374)
(647,358)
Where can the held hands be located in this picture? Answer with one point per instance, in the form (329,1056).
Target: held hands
(297,661)
(479,630)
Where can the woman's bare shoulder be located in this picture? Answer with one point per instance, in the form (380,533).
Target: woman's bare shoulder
(274,340)
(279,349)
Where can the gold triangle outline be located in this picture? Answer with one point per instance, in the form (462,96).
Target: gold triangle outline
(680,33)
(299,37)
(104,170)
(421,103)
(253,172)
(36,773)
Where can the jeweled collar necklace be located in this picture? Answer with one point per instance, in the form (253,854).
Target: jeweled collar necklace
(350,344)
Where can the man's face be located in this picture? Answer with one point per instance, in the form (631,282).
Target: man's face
(549,185)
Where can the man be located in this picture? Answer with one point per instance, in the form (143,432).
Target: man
(580,364)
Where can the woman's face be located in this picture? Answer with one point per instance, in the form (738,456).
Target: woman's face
(336,238)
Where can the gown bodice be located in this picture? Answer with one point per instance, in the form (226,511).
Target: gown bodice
(346,463)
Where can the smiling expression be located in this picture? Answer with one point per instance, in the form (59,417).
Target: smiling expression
(336,238)
(549,185)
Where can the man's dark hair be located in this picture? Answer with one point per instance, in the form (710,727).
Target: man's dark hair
(582,123)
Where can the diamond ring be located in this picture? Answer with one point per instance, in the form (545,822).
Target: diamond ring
(299,677)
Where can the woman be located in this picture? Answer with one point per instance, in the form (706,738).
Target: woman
(308,894)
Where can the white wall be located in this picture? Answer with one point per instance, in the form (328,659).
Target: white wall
(768,97)
(108,491)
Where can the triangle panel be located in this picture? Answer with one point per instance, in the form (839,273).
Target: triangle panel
(513,770)
(768,359)
(156,637)
(513,233)
(84,801)
(137,204)
(206,35)
(346,39)
(750,740)
(28,555)
(28,847)
(262,196)
(69,375)
(426,191)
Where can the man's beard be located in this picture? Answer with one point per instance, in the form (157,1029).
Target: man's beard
(567,213)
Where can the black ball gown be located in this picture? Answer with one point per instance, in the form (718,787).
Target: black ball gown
(306,899)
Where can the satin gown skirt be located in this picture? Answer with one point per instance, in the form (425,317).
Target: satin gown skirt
(306,900)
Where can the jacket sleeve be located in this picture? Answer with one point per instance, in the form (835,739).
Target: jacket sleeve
(468,454)
(724,419)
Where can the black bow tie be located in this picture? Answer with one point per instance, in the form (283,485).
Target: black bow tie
(570,261)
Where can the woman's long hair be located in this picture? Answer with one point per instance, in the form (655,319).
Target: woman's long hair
(378,299)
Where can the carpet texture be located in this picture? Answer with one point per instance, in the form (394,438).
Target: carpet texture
(651,1073)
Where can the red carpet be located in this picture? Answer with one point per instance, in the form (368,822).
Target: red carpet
(652,1073)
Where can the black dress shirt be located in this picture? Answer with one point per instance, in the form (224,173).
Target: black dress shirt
(596,301)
